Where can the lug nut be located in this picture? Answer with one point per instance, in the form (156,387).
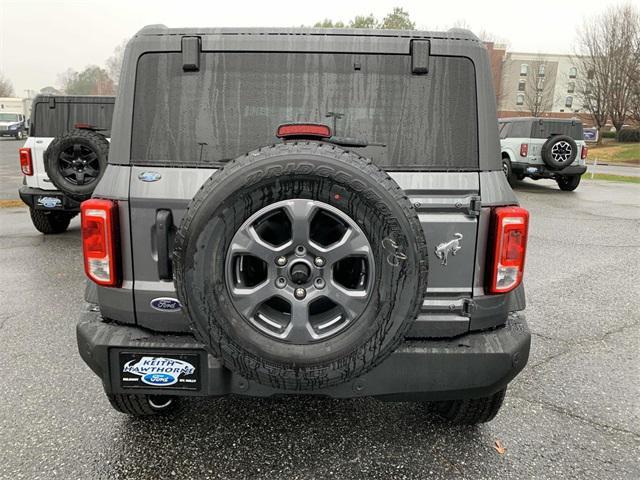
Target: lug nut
(281,282)
(319,262)
(319,283)
(300,293)
(281,261)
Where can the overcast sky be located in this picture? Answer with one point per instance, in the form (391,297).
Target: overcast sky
(41,38)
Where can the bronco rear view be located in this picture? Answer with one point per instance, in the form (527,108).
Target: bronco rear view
(305,211)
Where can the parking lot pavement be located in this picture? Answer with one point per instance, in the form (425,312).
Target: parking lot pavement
(573,412)
(10,176)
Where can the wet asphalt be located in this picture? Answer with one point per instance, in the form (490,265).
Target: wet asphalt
(574,412)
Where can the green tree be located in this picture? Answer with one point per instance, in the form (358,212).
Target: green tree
(326,23)
(93,80)
(362,21)
(398,19)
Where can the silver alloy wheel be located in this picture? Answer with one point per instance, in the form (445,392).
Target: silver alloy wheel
(325,283)
(561,151)
(505,168)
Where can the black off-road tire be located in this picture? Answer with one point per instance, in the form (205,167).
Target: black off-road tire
(472,411)
(508,171)
(568,183)
(50,222)
(548,155)
(93,146)
(323,173)
(143,405)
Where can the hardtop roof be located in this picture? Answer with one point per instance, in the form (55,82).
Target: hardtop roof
(451,34)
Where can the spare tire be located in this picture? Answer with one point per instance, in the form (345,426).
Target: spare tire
(559,151)
(300,265)
(76,161)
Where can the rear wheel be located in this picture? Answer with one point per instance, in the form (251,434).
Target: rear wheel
(19,135)
(568,183)
(143,405)
(50,222)
(471,411)
(507,170)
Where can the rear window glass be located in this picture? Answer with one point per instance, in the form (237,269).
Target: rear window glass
(236,101)
(52,122)
(547,128)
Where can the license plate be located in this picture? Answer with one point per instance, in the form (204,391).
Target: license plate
(160,370)
(49,202)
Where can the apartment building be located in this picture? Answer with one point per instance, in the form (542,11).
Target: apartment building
(539,84)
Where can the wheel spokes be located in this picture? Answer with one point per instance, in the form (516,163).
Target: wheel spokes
(247,300)
(352,243)
(247,241)
(300,213)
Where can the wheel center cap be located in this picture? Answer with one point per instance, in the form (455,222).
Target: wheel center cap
(300,273)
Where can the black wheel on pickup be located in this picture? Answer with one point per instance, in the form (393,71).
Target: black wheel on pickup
(471,411)
(300,265)
(507,170)
(50,222)
(76,161)
(143,405)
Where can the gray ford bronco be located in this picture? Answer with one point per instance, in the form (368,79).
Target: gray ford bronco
(305,211)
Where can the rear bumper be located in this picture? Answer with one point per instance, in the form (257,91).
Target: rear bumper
(541,171)
(469,366)
(30,196)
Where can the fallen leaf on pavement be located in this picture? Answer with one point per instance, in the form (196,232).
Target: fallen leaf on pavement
(499,448)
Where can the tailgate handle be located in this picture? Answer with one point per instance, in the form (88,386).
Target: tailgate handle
(164,226)
(190,54)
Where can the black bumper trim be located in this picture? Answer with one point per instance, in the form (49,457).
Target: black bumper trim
(470,366)
(29,194)
(542,171)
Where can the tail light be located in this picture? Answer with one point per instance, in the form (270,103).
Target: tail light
(524,149)
(99,241)
(584,152)
(303,130)
(511,226)
(26,164)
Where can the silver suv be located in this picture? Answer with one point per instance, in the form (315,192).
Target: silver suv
(543,148)
(317,212)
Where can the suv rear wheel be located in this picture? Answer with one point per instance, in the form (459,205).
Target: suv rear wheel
(471,411)
(50,222)
(143,405)
(507,170)
(568,183)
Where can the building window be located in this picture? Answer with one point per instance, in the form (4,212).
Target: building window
(590,74)
(520,99)
(568,102)
(524,69)
(571,87)
(541,70)
(521,85)
(573,72)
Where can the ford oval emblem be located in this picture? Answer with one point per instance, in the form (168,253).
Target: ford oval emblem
(166,304)
(159,379)
(149,176)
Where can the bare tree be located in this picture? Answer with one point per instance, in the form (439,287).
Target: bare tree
(606,60)
(6,88)
(114,62)
(537,92)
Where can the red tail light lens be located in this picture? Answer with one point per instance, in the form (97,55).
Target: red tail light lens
(511,227)
(26,164)
(303,130)
(99,241)
(584,152)
(524,149)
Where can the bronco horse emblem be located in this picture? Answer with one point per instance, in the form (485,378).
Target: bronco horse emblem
(451,247)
